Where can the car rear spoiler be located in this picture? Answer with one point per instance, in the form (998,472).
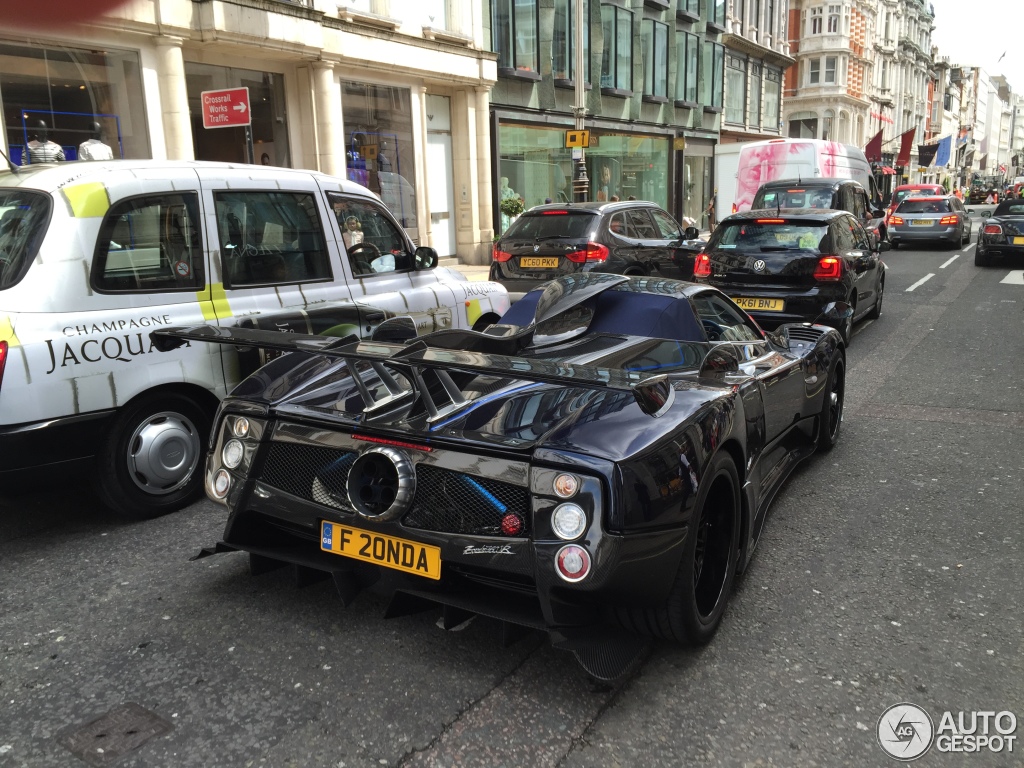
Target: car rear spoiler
(653,393)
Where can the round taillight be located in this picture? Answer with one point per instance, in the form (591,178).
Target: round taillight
(511,525)
(568,521)
(221,483)
(566,485)
(572,563)
(232,454)
(240,427)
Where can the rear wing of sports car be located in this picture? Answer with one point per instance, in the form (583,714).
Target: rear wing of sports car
(416,360)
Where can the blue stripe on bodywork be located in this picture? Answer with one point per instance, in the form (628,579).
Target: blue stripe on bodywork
(485,493)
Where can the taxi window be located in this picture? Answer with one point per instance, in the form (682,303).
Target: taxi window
(270,238)
(23,220)
(373,241)
(148,244)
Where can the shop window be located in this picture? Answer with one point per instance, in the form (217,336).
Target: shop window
(830,69)
(735,89)
(754,113)
(688,58)
(816,16)
(150,243)
(655,44)
(372,242)
(270,238)
(814,72)
(62,98)
(563,42)
(515,36)
(266,109)
(772,96)
(714,63)
(617,56)
(379,145)
(803,125)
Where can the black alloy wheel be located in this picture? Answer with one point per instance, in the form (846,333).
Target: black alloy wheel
(876,311)
(830,420)
(707,567)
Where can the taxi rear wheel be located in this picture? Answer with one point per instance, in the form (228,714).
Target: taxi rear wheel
(151,460)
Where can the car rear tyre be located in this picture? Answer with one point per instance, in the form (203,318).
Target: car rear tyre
(830,421)
(980,260)
(151,460)
(704,579)
(876,311)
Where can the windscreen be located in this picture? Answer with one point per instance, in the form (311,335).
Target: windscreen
(923,206)
(551,224)
(770,235)
(23,220)
(902,194)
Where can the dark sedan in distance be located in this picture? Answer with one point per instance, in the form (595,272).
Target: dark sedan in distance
(1002,236)
(633,237)
(786,266)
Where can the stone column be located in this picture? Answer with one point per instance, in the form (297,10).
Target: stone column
(174,99)
(330,130)
(483,171)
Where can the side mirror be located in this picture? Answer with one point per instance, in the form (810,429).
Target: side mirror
(425,257)
(877,213)
(691,233)
(883,247)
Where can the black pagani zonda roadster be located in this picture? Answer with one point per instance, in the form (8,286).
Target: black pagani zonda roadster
(598,466)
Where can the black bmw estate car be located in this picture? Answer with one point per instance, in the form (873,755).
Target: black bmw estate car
(803,265)
(634,237)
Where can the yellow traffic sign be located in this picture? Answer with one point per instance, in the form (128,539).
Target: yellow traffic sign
(577,138)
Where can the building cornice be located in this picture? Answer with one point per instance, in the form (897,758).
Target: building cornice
(749,47)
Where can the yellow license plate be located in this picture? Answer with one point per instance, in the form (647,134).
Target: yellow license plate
(538,261)
(1018,241)
(922,222)
(762,305)
(386,551)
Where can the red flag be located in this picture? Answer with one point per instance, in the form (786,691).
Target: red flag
(906,144)
(873,151)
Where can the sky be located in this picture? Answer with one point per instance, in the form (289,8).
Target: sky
(978,32)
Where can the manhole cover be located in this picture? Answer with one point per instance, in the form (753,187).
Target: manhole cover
(110,737)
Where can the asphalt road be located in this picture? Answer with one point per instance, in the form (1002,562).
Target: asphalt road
(890,571)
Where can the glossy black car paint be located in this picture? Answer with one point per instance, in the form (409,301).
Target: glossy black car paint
(642,249)
(839,195)
(757,401)
(837,304)
(1002,246)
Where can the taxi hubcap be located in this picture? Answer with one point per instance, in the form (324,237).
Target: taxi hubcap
(163,453)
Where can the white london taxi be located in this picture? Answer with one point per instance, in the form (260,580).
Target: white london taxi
(93,256)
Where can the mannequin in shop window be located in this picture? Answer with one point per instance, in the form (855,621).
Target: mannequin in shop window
(93,148)
(41,149)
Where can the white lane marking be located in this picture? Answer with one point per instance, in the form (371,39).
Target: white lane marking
(921,282)
(863,326)
(968,247)
(1016,277)
(949,261)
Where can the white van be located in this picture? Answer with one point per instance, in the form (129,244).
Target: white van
(738,179)
(93,256)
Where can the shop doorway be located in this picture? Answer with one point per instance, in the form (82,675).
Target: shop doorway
(440,186)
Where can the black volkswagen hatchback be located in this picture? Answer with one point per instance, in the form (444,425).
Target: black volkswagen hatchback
(627,238)
(796,266)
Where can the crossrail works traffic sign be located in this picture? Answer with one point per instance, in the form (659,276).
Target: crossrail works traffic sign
(226,108)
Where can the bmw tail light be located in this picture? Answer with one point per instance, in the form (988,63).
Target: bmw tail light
(990,229)
(499,255)
(593,252)
(577,257)
(3,359)
(702,266)
(950,221)
(896,220)
(829,269)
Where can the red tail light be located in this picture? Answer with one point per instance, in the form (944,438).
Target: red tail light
(555,213)
(593,252)
(3,359)
(949,220)
(702,266)
(499,255)
(993,229)
(829,269)
(770,221)
(896,220)
(735,208)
